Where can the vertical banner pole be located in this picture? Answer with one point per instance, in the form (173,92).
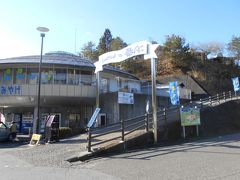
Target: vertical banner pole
(197,130)
(154,99)
(184,135)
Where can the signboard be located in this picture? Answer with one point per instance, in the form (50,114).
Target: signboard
(190,116)
(27,122)
(35,139)
(50,119)
(10,90)
(93,119)
(125,98)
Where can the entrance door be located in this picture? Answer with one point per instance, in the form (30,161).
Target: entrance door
(102,119)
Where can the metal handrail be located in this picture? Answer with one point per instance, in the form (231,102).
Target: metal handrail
(108,126)
(106,133)
(129,132)
(137,117)
(133,124)
(104,141)
(161,115)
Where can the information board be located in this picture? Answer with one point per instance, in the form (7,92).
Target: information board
(125,98)
(190,116)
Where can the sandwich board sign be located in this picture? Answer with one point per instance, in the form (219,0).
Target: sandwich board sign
(35,139)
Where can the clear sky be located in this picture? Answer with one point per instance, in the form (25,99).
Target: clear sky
(73,23)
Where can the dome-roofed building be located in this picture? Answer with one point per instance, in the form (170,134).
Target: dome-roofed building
(68,88)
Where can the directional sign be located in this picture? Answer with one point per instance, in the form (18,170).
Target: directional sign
(93,118)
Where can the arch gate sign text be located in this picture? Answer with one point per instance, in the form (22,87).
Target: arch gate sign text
(140,48)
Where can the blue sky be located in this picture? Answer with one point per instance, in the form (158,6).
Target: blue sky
(75,22)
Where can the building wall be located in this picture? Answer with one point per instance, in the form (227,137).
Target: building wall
(116,82)
(115,112)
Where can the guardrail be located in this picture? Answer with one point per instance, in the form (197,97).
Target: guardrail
(218,98)
(164,116)
(121,130)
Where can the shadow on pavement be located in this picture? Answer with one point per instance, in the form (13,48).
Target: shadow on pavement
(228,141)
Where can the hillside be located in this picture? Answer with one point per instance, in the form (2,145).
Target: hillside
(213,76)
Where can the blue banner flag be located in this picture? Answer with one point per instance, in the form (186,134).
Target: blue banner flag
(174,92)
(235,82)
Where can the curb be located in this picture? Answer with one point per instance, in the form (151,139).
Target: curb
(83,156)
(115,147)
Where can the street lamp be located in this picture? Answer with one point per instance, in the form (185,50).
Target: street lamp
(36,128)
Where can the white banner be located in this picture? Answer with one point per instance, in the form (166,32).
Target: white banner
(140,48)
(125,53)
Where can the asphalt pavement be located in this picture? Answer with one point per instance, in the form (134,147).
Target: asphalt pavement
(210,158)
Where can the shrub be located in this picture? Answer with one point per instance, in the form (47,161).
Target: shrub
(64,132)
(77,131)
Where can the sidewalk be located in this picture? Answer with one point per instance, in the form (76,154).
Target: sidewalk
(62,153)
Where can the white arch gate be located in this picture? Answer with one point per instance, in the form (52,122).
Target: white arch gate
(140,48)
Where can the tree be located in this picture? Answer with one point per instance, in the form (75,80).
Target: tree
(117,44)
(177,52)
(105,42)
(89,51)
(234,46)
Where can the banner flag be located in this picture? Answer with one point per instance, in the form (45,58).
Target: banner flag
(174,92)
(235,82)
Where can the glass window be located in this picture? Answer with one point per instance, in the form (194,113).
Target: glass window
(104,85)
(86,78)
(73,76)
(1,76)
(47,76)
(19,75)
(32,76)
(74,121)
(60,76)
(7,76)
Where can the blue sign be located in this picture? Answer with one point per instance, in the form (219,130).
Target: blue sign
(10,90)
(235,82)
(93,118)
(174,92)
